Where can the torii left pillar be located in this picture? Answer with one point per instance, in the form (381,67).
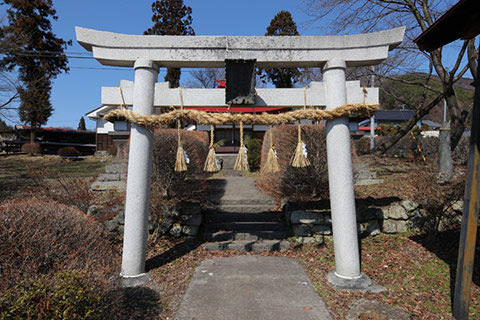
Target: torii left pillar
(138,179)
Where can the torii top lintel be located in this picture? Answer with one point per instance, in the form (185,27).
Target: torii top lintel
(123,50)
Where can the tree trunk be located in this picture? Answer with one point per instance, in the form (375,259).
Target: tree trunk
(458,117)
(33,134)
(385,146)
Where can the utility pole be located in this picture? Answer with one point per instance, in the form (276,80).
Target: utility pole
(372,118)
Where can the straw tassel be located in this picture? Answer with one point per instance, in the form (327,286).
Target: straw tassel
(299,159)
(180,163)
(271,165)
(211,161)
(241,163)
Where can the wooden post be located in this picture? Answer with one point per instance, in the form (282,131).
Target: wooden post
(468,234)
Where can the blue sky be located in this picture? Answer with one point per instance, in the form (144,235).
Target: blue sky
(78,91)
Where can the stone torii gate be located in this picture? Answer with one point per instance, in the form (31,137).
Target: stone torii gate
(146,53)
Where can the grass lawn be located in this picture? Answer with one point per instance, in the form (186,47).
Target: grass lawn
(16,170)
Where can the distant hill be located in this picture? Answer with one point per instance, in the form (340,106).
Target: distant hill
(412,93)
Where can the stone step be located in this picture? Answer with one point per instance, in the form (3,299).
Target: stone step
(227,201)
(115,168)
(108,185)
(248,245)
(213,217)
(243,208)
(251,235)
(245,226)
(109,177)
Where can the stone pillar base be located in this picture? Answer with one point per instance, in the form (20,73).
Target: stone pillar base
(361,283)
(134,281)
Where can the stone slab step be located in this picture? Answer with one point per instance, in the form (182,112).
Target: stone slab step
(243,208)
(213,216)
(227,201)
(108,185)
(251,235)
(245,226)
(248,245)
(115,168)
(109,177)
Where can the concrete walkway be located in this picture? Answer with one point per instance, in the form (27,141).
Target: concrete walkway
(251,287)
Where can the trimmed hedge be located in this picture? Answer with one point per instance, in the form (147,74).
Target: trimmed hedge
(31,148)
(179,185)
(43,237)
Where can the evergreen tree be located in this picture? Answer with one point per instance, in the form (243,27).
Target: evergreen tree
(282,25)
(38,56)
(81,124)
(171,17)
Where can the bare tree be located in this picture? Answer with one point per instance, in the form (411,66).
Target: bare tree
(205,78)
(8,95)
(417,15)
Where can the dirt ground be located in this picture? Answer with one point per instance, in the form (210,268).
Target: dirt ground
(417,271)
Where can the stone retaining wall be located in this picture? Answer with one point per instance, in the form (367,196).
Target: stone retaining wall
(314,224)
(182,220)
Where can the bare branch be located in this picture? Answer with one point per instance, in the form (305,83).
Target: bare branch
(459,59)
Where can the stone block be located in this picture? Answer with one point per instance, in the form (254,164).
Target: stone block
(396,212)
(395,226)
(110,225)
(93,211)
(190,230)
(120,218)
(165,225)
(301,230)
(322,229)
(409,205)
(192,220)
(371,228)
(458,206)
(315,239)
(176,230)
(308,217)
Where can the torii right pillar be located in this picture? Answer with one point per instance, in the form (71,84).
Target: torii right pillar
(347,274)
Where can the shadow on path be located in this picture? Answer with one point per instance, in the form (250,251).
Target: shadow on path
(172,254)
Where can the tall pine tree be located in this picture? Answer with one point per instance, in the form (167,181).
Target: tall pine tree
(38,56)
(282,25)
(171,17)
(81,124)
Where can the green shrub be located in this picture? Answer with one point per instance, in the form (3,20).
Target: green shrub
(362,145)
(68,152)
(254,150)
(291,183)
(64,296)
(31,148)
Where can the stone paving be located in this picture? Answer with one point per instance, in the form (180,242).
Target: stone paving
(251,287)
